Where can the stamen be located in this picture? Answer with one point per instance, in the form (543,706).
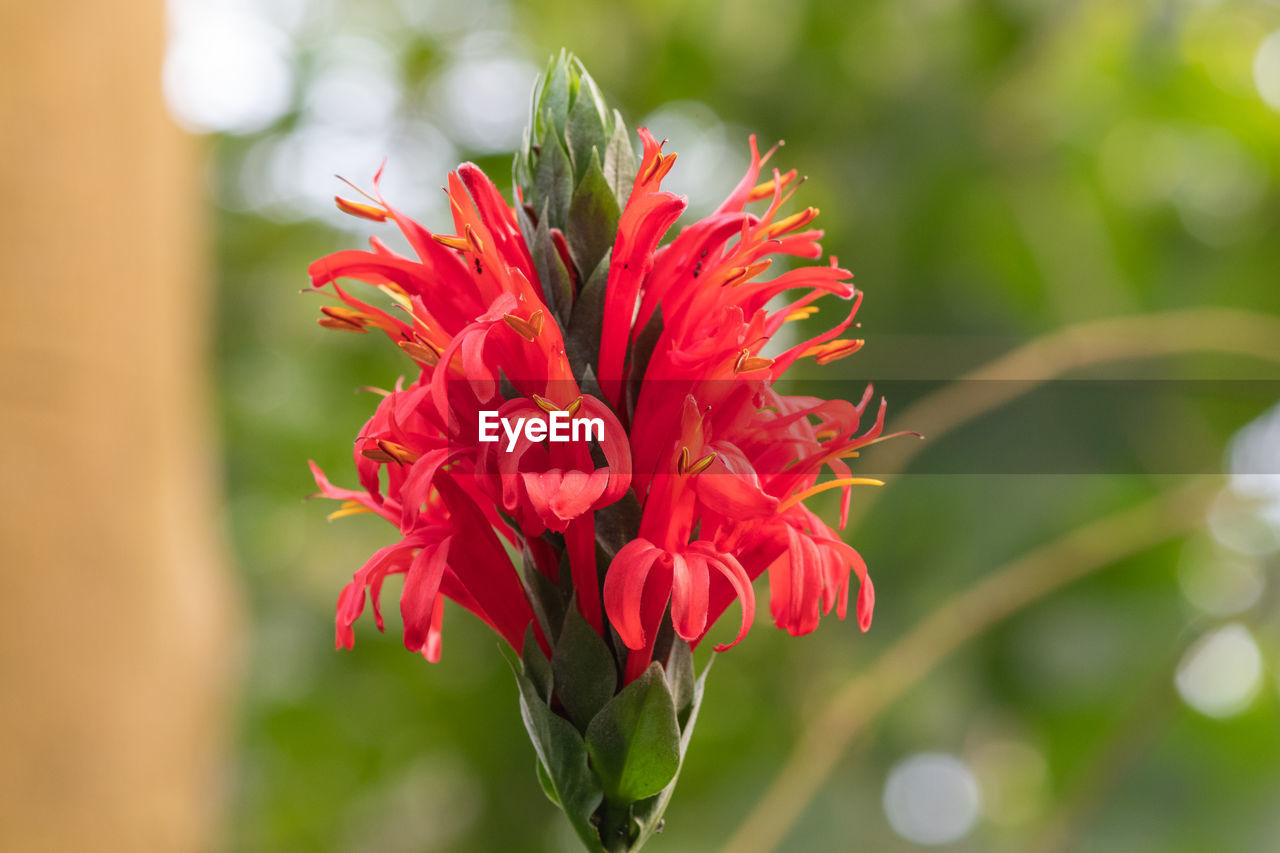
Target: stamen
(832,484)
(544,404)
(574,406)
(682,464)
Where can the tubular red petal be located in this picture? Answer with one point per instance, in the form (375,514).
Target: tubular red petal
(624,590)
(418,600)
(689,582)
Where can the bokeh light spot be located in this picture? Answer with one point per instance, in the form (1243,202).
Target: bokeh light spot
(226,68)
(1220,673)
(931,798)
(1266,70)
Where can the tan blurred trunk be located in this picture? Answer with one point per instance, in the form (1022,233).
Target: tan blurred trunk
(118,634)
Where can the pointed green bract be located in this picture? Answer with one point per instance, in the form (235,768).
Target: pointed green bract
(584,669)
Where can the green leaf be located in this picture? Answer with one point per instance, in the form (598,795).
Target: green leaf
(553,276)
(582,340)
(641,354)
(634,741)
(563,755)
(584,669)
(593,218)
(620,161)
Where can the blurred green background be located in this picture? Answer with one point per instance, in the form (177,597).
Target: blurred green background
(991,172)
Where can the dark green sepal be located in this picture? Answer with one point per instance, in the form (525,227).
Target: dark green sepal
(587,128)
(641,354)
(553,277)
(535,665)
(593,217)
(552,183)
(617,524)
(620,164)
(582,339)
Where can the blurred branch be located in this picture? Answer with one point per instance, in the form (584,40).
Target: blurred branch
(1227,331)
(1136,732)
(959,619)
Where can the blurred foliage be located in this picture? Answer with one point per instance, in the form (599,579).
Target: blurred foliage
(991,171)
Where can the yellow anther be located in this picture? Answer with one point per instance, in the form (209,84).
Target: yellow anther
(658,167)
(793,222)
(764,190)
(682,464)
(574,406)
(398,452)
(738,275)
(349,508)
(421,351)
(535,322)
(360,209)
(523,328)
(544,404)
(747,363)
(474,241)
(458,243)
(802,313)
(702,464)
(832,350)
(397,293)
(343,319)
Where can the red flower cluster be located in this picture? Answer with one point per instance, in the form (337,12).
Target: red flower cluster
(713,463)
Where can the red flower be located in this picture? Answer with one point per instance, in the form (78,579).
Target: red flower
(701,463)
